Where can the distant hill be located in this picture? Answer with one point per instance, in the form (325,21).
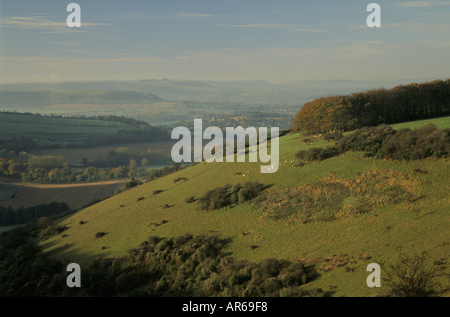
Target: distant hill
(251,92)
(256,91)
(44,98)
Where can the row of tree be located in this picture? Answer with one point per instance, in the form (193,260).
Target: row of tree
(383,142)
(90,174)
(9,217)
(125,156)
(373,107)
(53,169)
(111,118)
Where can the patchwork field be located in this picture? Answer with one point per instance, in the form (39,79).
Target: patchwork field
(48,130)
(74,195)
(6,191)
(74,156)
(370,209)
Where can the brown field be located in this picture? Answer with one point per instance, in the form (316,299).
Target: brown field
(74,156)
(74,195)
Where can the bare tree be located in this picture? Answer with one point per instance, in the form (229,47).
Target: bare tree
(415,276)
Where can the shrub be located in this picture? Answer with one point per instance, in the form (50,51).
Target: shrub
(176,180)
(308,155)
(156,192)
(327,153)
(51,231)
(224,196)
(190,199)
(131,184)
(316,153)
(44,222)
(333,136)
(154,239)
(100,234)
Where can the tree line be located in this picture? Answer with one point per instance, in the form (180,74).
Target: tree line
(110,117)
(9,216)
(374,107)
(53,170)
(125,156)
(383,142)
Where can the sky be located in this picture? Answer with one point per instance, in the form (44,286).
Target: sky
(276,41)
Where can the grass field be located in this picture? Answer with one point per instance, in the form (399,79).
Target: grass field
(48,130)
(74,195)
(416,224)
(74,156)
(441,123)
(6,191)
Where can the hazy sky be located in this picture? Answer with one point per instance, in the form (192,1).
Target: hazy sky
(276,41)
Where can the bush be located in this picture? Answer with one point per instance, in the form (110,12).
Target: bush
(308,155)
(333,136)
(131,184)
(44,222)
(51,231)
(224,196)
(327,153)
(156,192)
(315,153)
(100,234)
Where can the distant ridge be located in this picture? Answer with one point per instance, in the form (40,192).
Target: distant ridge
(44,98)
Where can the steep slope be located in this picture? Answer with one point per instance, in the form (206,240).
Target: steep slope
(341,248)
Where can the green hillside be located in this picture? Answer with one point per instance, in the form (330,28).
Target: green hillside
(379,206)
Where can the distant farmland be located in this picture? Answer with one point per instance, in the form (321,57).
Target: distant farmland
(74,195)
(49,131)
(74,156)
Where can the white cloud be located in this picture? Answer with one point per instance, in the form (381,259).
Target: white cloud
(412,4)
(194,15)
(417,27)
(289,27)
(98,53)
(363,60)
(254,25)
(41,23)
(420,27)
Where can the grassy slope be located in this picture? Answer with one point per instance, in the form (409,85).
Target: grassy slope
(133,223)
